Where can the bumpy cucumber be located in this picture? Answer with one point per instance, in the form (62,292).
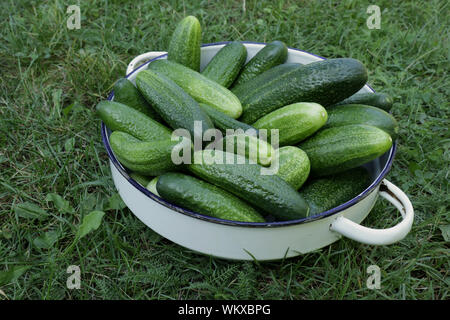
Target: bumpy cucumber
(185,43)
(269,193)
(125,92)
(199,87)
(294,166)
(174,105)
(245,90)
(120,117)
(337,149)
(222,121)
(202,197)
(325,82)
(377,99)
(326,193)
(343,115)
(295,122)
(225,66)
(271,55)
(145,157)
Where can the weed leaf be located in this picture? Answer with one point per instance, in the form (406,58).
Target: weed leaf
(30,210)
(12,274)
(59,202)
(90,223)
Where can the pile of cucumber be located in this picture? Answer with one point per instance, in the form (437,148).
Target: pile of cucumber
(326,130)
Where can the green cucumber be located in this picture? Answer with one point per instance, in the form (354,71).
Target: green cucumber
(377,99)
(271,55)
(269,193)
(294,166)
(295,122)
(326,193)
(174,105)
(199,87)
(337,149)
(151,186)
(204,198)
(222,121)
(139,178)
(126,93)
(225,66)
(246,90)
(343,115)
(184,46)
(325,82)
(144,157)
(120,117)
(249,146)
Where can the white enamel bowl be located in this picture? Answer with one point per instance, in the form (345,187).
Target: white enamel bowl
(261,241)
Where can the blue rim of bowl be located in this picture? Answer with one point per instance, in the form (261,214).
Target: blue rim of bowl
(152,196)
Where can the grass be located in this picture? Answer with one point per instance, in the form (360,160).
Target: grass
(51,79)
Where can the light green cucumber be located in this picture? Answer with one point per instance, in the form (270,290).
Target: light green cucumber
(199,87)
(294,122)
(376,99)
(120,117)
(141,179)
(294,166)
(151,186)
(150,158)
(184,46)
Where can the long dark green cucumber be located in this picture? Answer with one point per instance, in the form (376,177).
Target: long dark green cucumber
(269,193)
(324,82)
(120,117)
(337,149)
(222,121)
(326,193)
(343,115)
(199,87)
(173,104)
(145,157)
(184,46)
(141,179)
(225,66)
(202,197)
(271,55)
(377,99)
(125,92)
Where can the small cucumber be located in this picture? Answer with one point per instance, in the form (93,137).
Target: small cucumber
(225,66)
(377,99)
(269,193)
(199,87)
(144,157)
(343,115)
(151,186)
(326,193)
(294,166)
(204,198)
(248,146)
(271,55)
(184,46)
(174,105)
(295,122)
(222,121)
(120,117)
(125,92)
(324,82)
(141,179)
(334,150)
